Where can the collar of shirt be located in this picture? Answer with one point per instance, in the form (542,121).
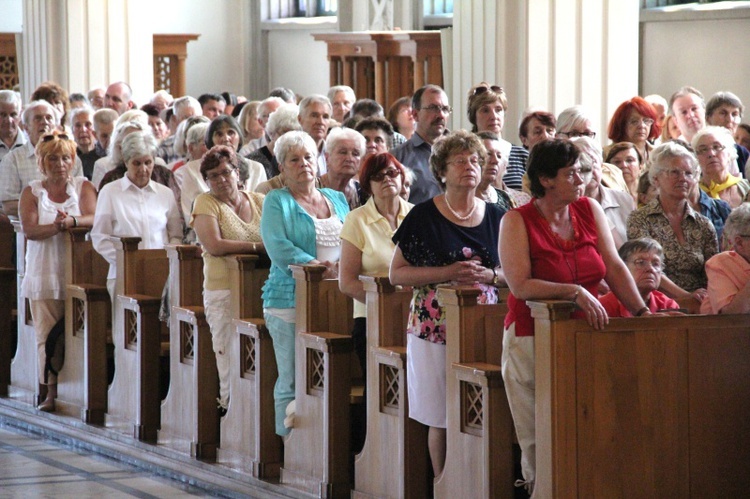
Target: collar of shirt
(372,215)
(126,184)
(655,208)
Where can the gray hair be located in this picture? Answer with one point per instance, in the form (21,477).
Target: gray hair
(11,97)
(80,110)
(661,155)
(90,95)
(722,135)
(349,91)
(137,144)
(591,151)
(283,119)
(29,110)
(409,175)
(723,98)
(571,118)
(104,116)
(291,140)
(738,222)
(115,142)
(180,135)
(133,115)
(186,102)
(313,99)
(640,245)
(339,134)
(196,134)
(162,93)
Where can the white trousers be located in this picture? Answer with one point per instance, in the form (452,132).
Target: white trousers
(45,314)
(216,307)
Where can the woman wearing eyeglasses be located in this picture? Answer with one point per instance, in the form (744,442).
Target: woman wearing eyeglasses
(716,153)
(366,245)
(486,106)
(635,121)
(47,208)
(226,220)
(451,238)
(688,238)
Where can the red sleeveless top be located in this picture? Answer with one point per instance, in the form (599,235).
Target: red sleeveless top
(557,260)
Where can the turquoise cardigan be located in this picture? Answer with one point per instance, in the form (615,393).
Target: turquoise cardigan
(288,233)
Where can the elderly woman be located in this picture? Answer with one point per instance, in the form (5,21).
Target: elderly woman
(626,157)
(493,170)
(226,220)
(714,147)
(189,177)
(536,127)
(225,131)
(181,144)
(635,121)
(644,258)
(451,238)
(617,204)
(688,238)
(122,127)
(557,247)
(729,271)
(344,150)
(47,208)
(135,206)
(283,120)
(401,117)
(366,245)
(300,225)
(486,106)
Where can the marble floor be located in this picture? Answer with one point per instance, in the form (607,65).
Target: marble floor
(31,467)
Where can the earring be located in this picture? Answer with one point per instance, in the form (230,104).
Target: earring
(442,179)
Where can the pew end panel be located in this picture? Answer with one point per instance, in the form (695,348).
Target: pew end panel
(648,407)
(247,274)
(319,302)
(248,430)
(317,456)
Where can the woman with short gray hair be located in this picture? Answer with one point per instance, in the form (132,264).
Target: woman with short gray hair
(729,272)
(283,120)
(720,179)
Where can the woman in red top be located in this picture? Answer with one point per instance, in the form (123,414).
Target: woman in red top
(557,247)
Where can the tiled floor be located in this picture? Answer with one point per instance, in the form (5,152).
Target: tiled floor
(31,467)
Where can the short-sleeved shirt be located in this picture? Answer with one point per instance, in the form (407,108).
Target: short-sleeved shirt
(427,239)
(656,301)
(232,227)
(370,233)
(716,210)
(19,167)
(728,273)
(683,263)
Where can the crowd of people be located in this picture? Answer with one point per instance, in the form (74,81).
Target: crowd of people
(654,221)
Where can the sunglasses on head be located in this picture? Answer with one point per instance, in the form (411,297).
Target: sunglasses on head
(482,89)
(51,136)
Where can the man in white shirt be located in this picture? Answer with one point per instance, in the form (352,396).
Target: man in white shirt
(11,136)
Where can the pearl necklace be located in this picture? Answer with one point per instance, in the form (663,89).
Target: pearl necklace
(459,217)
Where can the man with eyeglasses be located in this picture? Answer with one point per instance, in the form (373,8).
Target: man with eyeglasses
(430,109)
(19,167)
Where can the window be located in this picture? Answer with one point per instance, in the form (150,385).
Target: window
(280,9)
(437,13)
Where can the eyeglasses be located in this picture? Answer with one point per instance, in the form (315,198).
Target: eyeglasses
(224,174)
(642,264)
(638,122)
(473,160)
(434,108)
(390,173)
(678,174)
(51,136)
(482,89)
(703,150)
(573,134)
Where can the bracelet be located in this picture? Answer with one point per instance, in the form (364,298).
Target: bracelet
(75,221)
(494,276)
(575,296)
(641,311)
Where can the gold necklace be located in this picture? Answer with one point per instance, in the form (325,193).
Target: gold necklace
(465,217)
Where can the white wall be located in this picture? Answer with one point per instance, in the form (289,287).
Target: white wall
(11,16)
(709,55)
(297,61)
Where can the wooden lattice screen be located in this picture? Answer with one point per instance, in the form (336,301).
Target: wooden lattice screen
(170,52)
(8,61)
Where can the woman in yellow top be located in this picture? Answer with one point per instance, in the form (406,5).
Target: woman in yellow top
(714,146)
(226,220)
(366,246)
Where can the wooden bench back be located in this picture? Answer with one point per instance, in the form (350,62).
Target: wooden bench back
(83,264)
(140,272)
(321,306)
(663,399)
(247,274)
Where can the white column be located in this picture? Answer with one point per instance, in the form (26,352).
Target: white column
(547,53)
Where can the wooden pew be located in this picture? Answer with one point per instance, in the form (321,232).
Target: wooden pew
(479,457)
(648,407)
(8,303)
(133,399)
(189,418)
(82,383)
(394,461)
(248,435)
(317,455)
(23,372)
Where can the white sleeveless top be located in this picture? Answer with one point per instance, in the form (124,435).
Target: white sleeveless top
(45,259)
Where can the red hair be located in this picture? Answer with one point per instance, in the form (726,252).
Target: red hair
(618,125)
(377,163)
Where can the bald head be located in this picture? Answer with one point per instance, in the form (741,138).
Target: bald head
(118,97)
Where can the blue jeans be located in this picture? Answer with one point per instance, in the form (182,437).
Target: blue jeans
(283,336)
